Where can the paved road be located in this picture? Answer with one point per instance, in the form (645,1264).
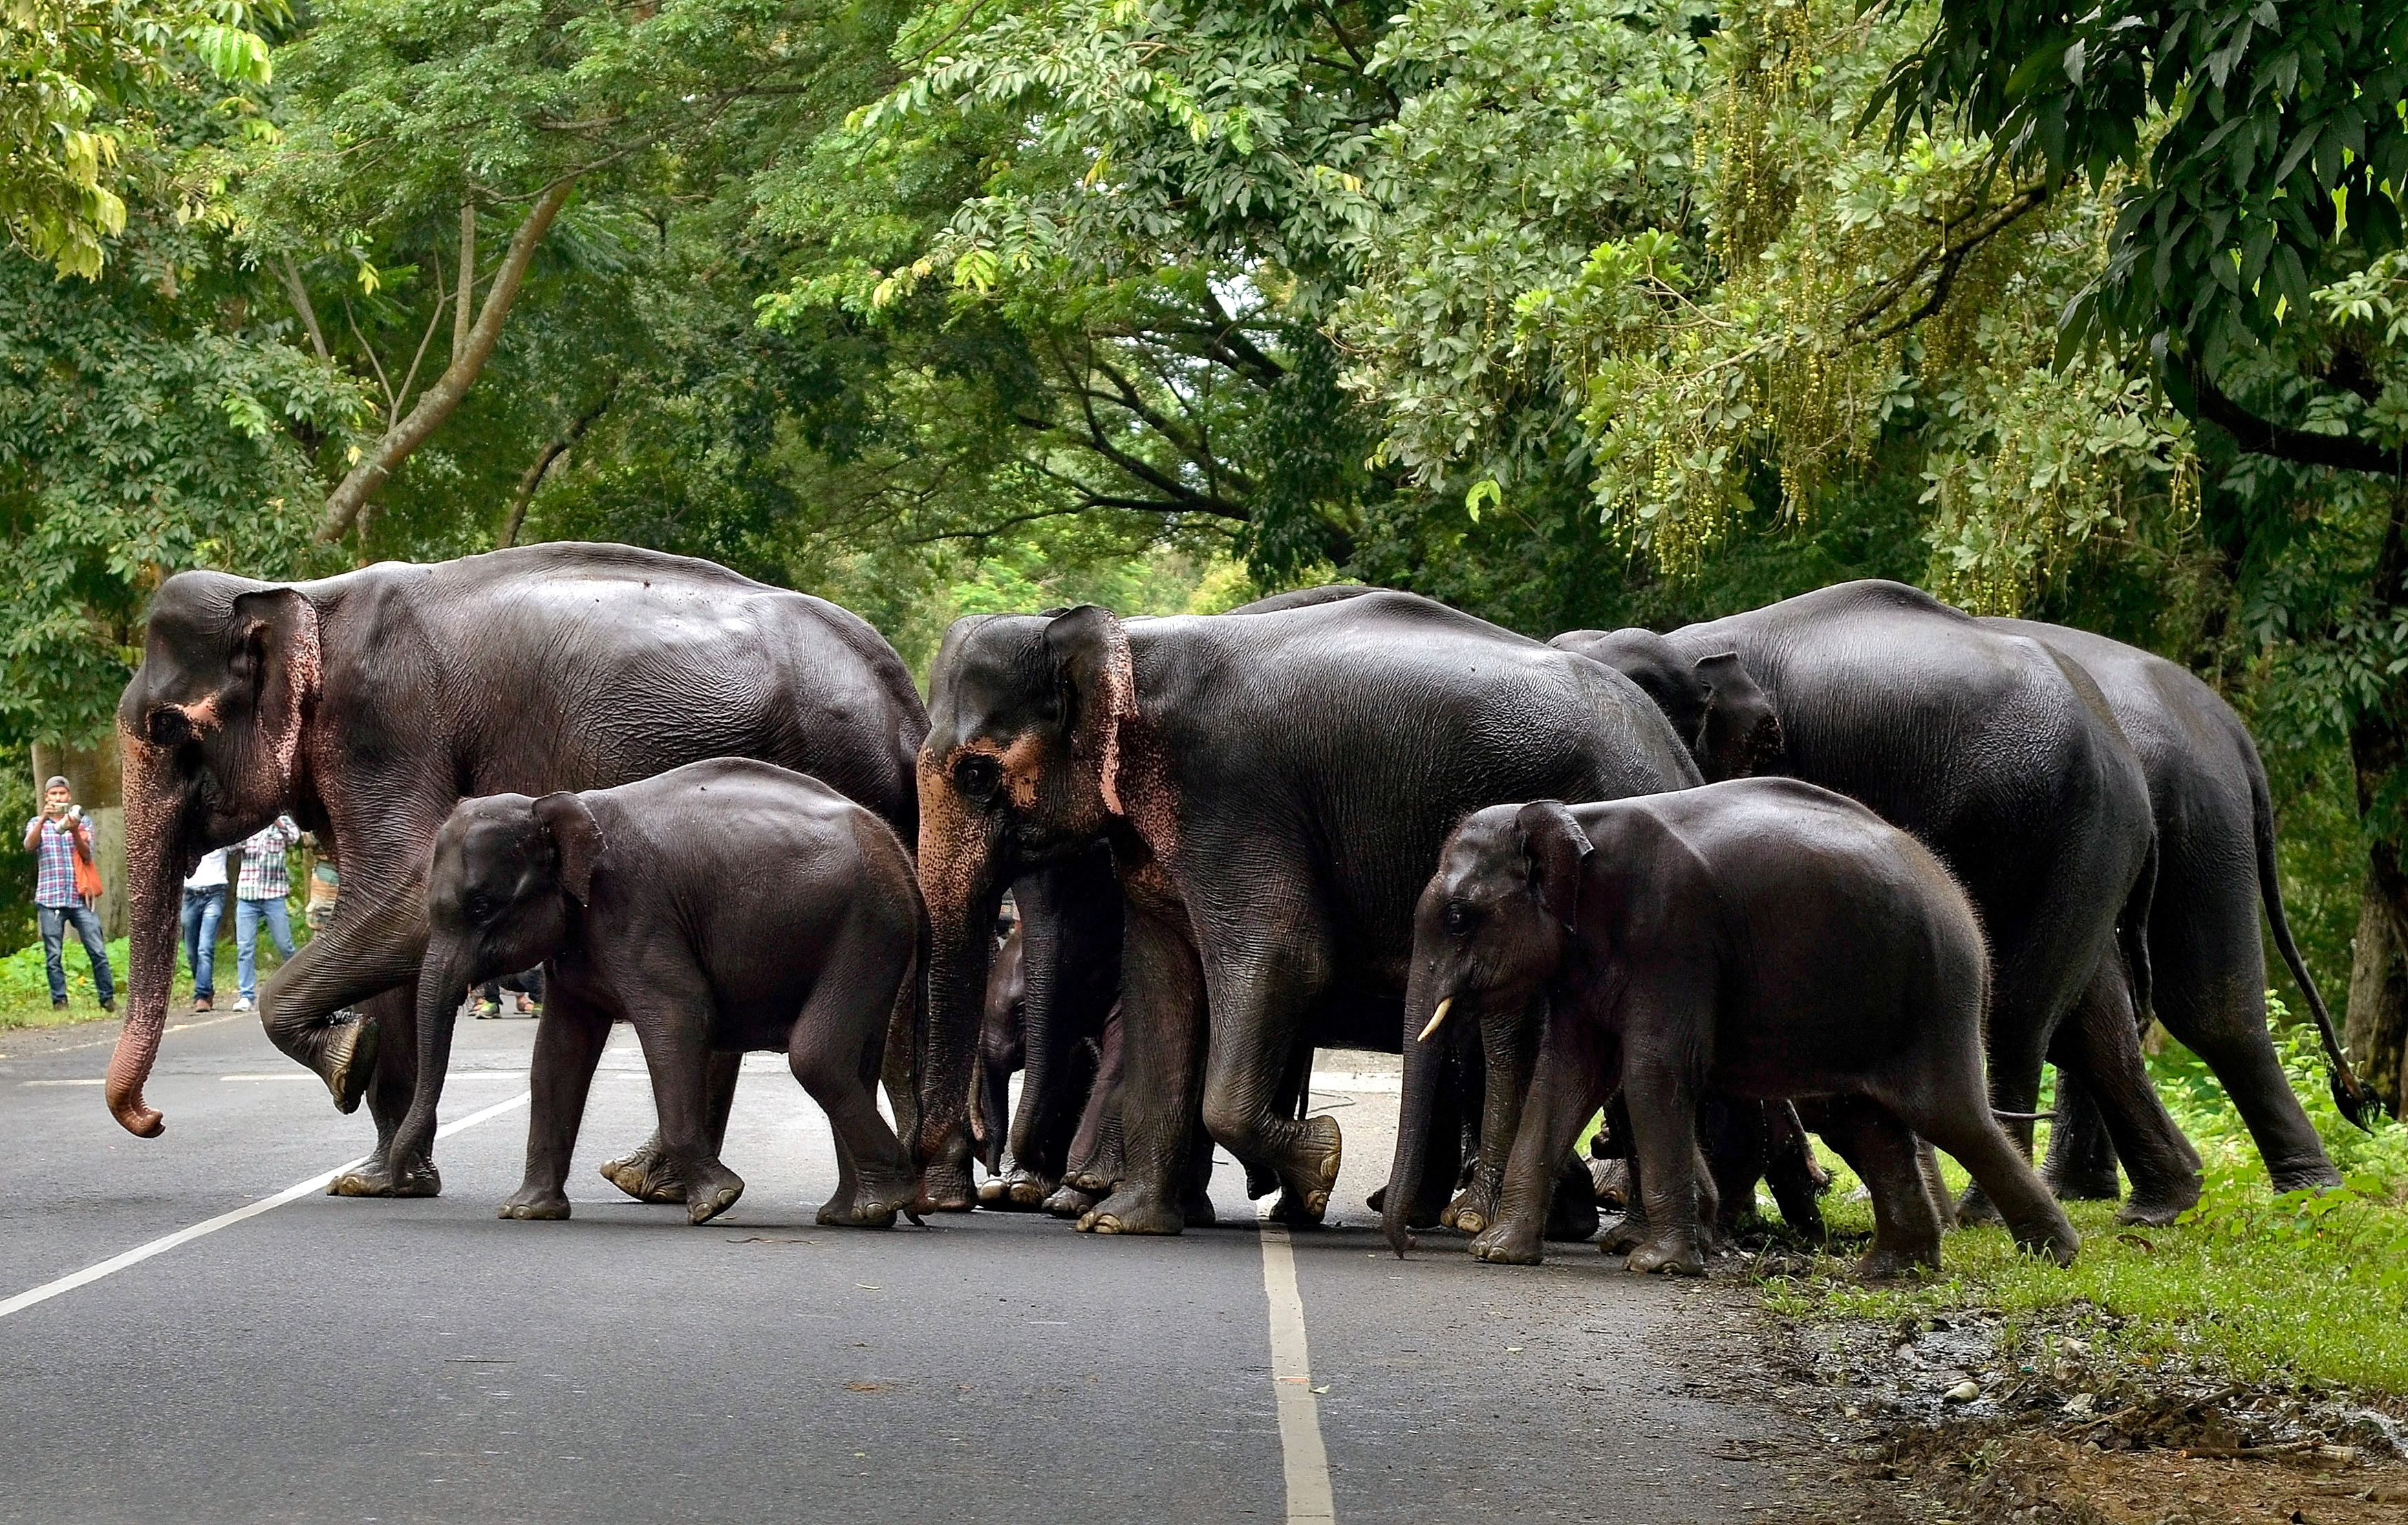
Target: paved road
(330,1360)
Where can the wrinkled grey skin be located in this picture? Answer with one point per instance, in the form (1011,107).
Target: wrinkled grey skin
(719,907)
(1761,938)
(2003,758)
(368,704)
(2215,870)
(1273,786)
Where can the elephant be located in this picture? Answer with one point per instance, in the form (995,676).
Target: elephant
(1274,786)
(1760,937)
(2002,757)
(625,895)
(2216,869)
(368,704)
(1070,962)
(1003,1046)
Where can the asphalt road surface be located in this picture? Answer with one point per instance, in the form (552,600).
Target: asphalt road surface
(330,1360)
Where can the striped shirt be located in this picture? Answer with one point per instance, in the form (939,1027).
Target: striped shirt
(54,862)
(263,874)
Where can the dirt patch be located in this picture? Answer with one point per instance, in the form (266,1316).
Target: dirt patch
(1941,1420)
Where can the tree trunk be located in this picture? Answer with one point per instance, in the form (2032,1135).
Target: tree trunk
(93,773)
(2376,1034)
(349,502)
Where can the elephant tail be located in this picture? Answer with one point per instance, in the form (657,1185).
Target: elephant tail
(2132,938)
(2349,1094)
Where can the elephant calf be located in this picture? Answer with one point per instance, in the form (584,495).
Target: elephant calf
(725,906)
(1763,938)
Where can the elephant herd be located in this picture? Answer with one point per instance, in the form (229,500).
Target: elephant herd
(1854,858)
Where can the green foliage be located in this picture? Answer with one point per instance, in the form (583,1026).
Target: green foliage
(84,87)
(2306,1285)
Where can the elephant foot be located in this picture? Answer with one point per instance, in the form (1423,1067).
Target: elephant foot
(945,1187)
(1296,1214)
(646,1175)
(2319,1175)
(376,1178)
(346,1063)
(1502,1244)
(1310,1172)
(2158,1210)
(1023,1192)
(1886,1262)
(712,1191)
(1624,1235)
(535,1204)
(1668,1257)
(2057,1243)
(1133,1209)
(1070,1201)
(1469,1212)
(2084,1184)
(1975,1210)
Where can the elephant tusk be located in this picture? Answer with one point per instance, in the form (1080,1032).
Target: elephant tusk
(1436,1017)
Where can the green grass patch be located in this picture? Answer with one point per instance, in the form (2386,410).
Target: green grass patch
(2308,1285)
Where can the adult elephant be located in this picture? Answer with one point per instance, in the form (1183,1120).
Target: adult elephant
(1275,788)
(368,704)
(2003,758)
(2215,870)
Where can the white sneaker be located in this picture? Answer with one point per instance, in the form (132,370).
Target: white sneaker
(243,1004)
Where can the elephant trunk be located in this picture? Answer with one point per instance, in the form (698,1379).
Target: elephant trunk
(1426,1005)
(156,828)
(443,976)
(963,893)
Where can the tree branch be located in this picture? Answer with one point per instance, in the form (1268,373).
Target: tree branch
(301,305)
(460,314)
(344,504)
(547,458)
(1950,258)
(2263,436)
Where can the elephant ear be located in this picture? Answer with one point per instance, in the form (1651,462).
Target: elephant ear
(1741,736)
(1558,851)
(578,838)
(1096,681)
(275,635)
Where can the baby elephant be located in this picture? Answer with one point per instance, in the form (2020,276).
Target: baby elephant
(724,905)
(1763,938)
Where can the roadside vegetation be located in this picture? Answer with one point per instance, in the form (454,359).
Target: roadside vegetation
(2270,1290)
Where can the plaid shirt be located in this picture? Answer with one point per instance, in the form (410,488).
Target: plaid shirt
(263,874)
(54,864)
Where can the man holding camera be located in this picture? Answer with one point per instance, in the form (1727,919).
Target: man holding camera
(66,881)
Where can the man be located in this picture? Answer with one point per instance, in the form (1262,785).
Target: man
(60,839)
(204,912)
(260,891)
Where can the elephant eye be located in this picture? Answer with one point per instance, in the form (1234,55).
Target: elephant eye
(1460,917)
(478,906)
(976,776)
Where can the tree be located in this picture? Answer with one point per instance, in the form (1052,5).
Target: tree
(83,85)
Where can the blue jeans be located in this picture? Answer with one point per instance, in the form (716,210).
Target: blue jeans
(203,910)
(246,914)
(54,920)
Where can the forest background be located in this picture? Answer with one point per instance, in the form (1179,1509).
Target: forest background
(1583,313)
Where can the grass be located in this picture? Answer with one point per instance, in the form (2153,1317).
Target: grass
(2305,1286)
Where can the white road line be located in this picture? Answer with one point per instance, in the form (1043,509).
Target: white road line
(111,1043)
(1300,1413)
(135,1256)
(96,1080)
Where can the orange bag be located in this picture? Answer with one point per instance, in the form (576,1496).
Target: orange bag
(87,873)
